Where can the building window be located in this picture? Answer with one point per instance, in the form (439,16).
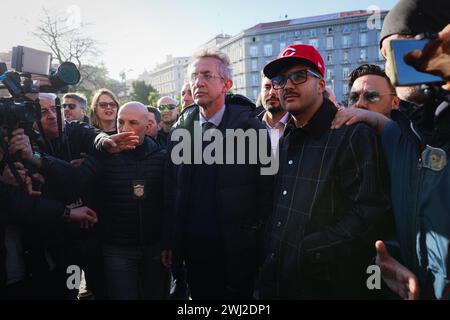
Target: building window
(330,74)
(267,50)
(329,58)
(346,29)
(255,79)
(255,94)
(330,43)
(345,73)
(313,33)
(282,46)
(282,37)
(346,41)
(363,39)
(298,41)
(363,55)
(267,38)
(329,30)
(346,57)
(345,88)
(297,34)
(363,26)
(254,65)
(239,82)
(253,51)
(314,43)
(237,68)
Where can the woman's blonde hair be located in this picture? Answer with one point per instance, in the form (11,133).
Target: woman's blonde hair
(94,121)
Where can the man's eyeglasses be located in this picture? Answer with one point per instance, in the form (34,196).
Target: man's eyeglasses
(297,77)
(206,76)
(71,106)
(105,105)
(164,107)
(45,112)
(369,96)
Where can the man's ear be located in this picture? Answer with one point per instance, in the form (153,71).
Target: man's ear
(395,103)
(228,85)
(321,86)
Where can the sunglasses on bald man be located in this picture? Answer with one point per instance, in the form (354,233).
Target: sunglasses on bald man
(164,107)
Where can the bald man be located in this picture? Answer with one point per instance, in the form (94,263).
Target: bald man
(129,199)
(168,107)
(133,117)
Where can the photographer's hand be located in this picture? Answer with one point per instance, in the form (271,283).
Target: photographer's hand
(20,143)
(8,176)
(435,57)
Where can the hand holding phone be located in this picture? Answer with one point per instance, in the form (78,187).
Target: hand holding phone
(435,57)
(404,74)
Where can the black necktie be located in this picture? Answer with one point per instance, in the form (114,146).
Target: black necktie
(206,126)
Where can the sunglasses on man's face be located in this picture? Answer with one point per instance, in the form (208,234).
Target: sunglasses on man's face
(369,96)
(164,107)
(71,106)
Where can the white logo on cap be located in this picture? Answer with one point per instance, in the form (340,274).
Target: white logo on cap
(288,52)
(319,65)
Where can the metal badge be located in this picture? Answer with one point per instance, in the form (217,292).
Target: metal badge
(139,189)
(434,158)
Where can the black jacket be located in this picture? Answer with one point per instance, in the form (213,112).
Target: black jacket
(243,195)
(77,137)
(30,214)
(125,218)
(331,205)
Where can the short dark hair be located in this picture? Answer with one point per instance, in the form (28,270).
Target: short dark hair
(368,69)
(156,113)
(78,97)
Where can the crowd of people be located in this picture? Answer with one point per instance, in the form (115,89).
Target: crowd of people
(103,188)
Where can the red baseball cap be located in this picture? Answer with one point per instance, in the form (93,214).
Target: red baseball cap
(293,54)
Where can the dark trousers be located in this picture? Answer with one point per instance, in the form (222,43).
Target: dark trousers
(207,274)
(134,273)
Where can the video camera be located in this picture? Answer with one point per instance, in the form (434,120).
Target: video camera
(18,109)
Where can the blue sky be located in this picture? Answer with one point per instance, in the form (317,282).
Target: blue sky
(137,34)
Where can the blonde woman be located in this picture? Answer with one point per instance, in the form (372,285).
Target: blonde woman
(104,109)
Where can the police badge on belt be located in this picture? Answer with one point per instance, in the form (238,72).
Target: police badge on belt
(139,189)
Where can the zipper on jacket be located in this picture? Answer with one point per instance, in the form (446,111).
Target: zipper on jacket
(415,218)
(139,205)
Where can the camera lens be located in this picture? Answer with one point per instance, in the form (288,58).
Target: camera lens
(68,73)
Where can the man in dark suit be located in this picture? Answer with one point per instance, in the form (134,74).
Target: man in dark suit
(217,210)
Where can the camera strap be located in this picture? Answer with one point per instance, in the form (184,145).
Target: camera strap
(58,115)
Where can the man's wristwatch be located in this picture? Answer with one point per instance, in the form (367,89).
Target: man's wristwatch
(37,156)
(66,214)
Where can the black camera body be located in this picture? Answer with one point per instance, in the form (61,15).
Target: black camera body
(18,113)
(17,110)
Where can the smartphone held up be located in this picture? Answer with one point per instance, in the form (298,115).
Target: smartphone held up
(404,74)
